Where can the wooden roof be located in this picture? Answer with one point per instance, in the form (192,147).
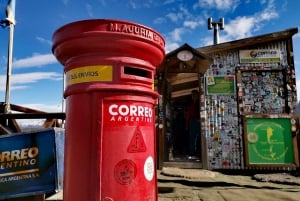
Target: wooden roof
(183,75)
(248,42)
(198,64)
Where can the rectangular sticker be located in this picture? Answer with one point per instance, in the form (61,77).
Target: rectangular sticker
(260,56)
(83,74)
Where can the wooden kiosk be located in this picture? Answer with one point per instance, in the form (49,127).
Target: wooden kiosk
(242,84)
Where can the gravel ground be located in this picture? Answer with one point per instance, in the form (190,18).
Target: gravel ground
(204,185)
(280,178)
(176,184)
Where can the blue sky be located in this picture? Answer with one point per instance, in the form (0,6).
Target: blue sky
(37,78)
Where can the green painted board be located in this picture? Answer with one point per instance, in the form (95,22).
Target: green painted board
(220,85)
(269,141)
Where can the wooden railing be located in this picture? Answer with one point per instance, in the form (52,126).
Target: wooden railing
(9,124)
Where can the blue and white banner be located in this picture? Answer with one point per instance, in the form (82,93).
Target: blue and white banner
(28,164)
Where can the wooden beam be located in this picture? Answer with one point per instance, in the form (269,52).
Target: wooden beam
(12,124)
(185,86)
(4,130)
(49,123)
(186,92)
(59,115)
(181,78)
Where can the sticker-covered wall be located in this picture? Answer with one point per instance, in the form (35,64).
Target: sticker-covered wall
(255,80)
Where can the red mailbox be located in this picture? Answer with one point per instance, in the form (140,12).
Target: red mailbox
(110,133)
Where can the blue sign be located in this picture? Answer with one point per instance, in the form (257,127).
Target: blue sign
(28,164)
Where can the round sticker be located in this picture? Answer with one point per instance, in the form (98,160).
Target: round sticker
(252,137)
(149,168)
(293,121)
(125,171)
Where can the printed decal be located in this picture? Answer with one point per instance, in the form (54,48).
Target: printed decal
(128,113)
(125,171)
(137,143)
(149,168)
(89,74)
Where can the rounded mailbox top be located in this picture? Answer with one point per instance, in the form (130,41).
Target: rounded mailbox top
(108,37)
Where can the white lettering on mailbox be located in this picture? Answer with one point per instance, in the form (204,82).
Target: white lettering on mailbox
(131,110)
(130,113)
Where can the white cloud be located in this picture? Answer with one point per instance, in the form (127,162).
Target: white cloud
(176,34)
(173,39)
(169,1)
(132,4)
(36,60)
(43,40)
(20,81)
(297,35)
(137,4)
(35,76)
(218,4)
(240,27)
(208,40)
(182,13)
(170,46)
(269,12)
(45,107)
(65,2)
(190,24)
(174,17)
(244,26)
(184,17)
(102,2)
(89,9)
(298,89)
(159,20)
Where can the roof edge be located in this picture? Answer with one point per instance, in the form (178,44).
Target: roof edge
(186,46)
(264,38)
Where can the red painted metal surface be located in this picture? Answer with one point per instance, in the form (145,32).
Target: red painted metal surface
(110,133)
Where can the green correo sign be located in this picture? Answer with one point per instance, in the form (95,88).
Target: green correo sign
(269,141)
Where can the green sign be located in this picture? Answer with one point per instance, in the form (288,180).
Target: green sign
(269,141)
(220,85)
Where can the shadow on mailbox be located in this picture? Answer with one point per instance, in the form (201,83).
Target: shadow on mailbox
(31,163)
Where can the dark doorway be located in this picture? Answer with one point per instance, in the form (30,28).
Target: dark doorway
(177,76)
(181,141)
(179,129)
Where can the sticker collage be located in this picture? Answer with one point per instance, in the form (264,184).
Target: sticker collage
(254,87)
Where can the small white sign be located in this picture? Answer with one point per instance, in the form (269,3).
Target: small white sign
(149,168)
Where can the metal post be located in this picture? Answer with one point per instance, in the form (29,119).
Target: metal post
(216,25)
(9,68)
(9,21)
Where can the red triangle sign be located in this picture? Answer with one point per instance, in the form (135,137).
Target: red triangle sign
(137,143)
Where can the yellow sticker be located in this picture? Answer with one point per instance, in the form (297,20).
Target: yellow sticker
(83,74)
